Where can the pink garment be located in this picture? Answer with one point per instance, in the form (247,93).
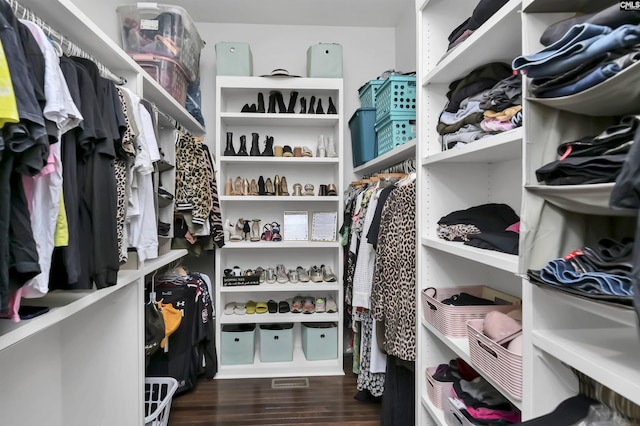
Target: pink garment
(14,306)
(515,227)
(490,414)
(493,125)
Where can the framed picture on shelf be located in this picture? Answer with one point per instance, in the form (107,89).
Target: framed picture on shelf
(324,225)
(296,226)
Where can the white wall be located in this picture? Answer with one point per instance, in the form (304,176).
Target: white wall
(406,42)
(367,52)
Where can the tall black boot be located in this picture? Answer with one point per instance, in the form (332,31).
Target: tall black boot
(243,146)
(303,105)
(260,102)
(282,108)
(331,109)
(255,150)
(312,105)
(319,109)
(272,103)
(229,150)
(293,97)
(261,187)
(268,147)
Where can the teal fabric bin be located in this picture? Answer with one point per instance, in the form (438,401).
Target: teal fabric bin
(364,144)
(276,342)
(238,344)
(320,340)
(324,60)
(234,58)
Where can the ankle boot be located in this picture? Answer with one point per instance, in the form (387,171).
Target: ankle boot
(268,147)
(272,103)
(293,97)
(261,187)
(229,150)
(303,105)
(255,150)
(260,102)
(243,146)
(331,109)
(282,108)
(312,105)
(319,109)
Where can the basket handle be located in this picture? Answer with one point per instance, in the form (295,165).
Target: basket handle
(455,416)
(486,347)
(435,291)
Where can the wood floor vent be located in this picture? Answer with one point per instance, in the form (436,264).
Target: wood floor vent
(290,383)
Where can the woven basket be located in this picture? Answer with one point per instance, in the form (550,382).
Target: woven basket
(452,320)
(438,392)
(494,360)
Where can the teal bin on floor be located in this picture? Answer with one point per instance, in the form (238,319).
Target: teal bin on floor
(320,340)
(276,342)
(238,344)
(364,144)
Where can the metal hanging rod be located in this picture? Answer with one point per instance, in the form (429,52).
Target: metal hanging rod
(64,43)
(406,166)
(172,120)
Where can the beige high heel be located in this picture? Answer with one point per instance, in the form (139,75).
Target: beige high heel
(283,186)
(237,186)
(276,185)
(245,187)
(228,187)
(253,187)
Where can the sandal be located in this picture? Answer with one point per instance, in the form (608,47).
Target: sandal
(255,230)
(272,305)
(262,308)
(236,234)
(229,308)
(251,307)
(240,309)
(283,307)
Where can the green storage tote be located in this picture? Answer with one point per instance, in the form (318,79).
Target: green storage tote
(320,340)
(363,135)
(238,344)
(276,342)
(324,60)
(234,58)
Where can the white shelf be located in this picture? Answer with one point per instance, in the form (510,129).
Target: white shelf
(268,245)
(395,156)
(495,259)
(608,355)
(154,92)
(278,318)
(501,147)
(436,414)
(585,199)
(282,287)
(151,265)
(250,84)
(550,6)
(288,161)
(299,367)
(278,119)
(459,345)
(473,52)
(279,198)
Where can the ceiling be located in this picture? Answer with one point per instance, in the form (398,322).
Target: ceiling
(351,13)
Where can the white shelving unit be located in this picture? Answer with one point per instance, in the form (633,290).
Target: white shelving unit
(485,171)
(83,361)
(561,332)
(293,129)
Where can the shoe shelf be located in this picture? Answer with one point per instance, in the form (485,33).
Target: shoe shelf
(277,318)
(280,287)
(295,130)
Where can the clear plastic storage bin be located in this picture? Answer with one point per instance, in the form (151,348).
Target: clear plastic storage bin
(168,73)
(161,30)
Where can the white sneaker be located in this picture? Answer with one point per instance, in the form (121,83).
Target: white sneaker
(331,147)
(321,150)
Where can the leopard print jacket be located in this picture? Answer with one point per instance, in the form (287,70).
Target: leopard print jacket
(393,295)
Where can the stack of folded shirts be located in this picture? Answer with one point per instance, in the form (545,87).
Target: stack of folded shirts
(486,101)
(163,228)
(600,272)
(592,159)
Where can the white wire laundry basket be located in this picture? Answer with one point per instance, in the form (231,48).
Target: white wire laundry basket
(158,394)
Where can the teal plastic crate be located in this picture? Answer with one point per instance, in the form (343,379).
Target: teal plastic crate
(238,344)
(368,92)
(397,95)
(395,130)
(320,340)
(276,342)
(362,125)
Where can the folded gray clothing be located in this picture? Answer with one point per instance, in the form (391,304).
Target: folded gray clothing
(467,107)
(472,119)
(611,17)
(508,90)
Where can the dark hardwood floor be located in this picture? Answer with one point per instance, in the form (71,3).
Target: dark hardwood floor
(327,401)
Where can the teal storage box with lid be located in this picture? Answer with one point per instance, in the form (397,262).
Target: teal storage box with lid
(364,144)
(276,342)
(234,58)
(238,344)
(320,340)
(324,60)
